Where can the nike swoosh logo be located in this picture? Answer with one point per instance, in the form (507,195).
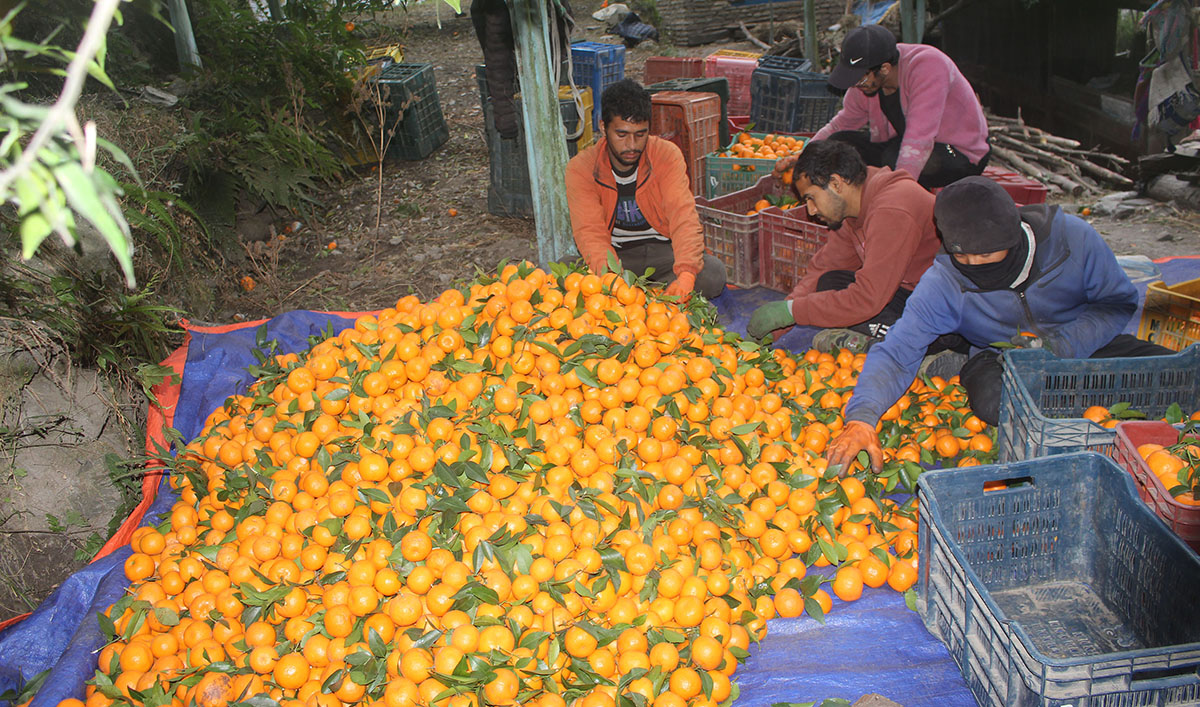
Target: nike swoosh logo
(855,61)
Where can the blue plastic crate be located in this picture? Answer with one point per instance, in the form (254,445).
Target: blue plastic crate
(786,97)
(1043,397)
(1058,586)
(597,65)
(412,92)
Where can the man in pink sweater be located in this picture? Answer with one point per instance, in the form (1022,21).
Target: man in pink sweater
(882,241)
(907,107)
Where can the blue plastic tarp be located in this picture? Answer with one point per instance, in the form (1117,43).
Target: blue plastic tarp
(872,645)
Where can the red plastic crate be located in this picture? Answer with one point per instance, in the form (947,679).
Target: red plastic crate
(1023,190)
(731,234)
(738,67)
(1181,518)
(691,121)
(665,68)
(787,241)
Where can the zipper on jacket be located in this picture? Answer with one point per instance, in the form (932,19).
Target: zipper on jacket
(1028,314)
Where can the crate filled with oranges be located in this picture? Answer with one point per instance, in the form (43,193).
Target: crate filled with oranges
(1165,463)
(1050,405)
(748,157)
(732,228)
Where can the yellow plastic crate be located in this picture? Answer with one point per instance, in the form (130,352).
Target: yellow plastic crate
(1171,315)
(378,58)
(395,52)
(587,137)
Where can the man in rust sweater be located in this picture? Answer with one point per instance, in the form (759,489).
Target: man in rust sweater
(882,239)
(629,197)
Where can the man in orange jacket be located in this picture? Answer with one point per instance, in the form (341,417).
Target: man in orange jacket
(629,198)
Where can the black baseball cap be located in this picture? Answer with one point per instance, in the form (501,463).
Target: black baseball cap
(865,47)
(976,215)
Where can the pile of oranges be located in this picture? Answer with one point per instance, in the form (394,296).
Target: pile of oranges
(543,488)
(767,147)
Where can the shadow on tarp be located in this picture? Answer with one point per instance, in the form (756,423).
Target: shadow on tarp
(872,645)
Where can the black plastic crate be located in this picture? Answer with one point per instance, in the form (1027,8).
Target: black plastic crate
(412,93)
(785,97)
(717,84)
(509,190)
(1052,584)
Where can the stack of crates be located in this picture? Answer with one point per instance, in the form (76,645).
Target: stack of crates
(787,97)
(738,67)
(597,66)
(412,94)
(719,86)
(665,68)
(690,121)
(509,190)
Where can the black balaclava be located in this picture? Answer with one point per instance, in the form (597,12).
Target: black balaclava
(975,215)
(1012,272)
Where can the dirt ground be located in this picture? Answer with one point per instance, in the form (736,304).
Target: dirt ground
(344,262)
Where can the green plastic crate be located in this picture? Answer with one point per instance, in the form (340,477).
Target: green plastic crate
(723,175)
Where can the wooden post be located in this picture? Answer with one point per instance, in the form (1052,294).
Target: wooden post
(810,34)
(545,137)
(912,21)
(185,41)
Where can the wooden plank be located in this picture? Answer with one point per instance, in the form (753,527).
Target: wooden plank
(544,132)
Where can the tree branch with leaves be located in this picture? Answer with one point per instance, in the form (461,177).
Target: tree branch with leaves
(48,160)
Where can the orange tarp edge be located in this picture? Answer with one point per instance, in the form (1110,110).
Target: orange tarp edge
(158,419)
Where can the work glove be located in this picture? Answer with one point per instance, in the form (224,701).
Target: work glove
(769,317)
(681,286)
(855,437)
(1026,341)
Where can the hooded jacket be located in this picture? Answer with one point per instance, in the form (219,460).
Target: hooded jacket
(663,194)
(1077,298)
(888,246)
(939,105)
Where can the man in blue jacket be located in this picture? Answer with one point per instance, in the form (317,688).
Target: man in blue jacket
(1033,276)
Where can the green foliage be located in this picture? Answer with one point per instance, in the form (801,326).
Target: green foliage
(104,326)
(48,161)
(271,95)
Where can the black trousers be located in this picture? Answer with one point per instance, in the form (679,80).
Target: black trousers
(877,325)
(945,165)
(980,375)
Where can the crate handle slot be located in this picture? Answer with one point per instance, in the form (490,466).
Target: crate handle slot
(1005,484)
(1165,676)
